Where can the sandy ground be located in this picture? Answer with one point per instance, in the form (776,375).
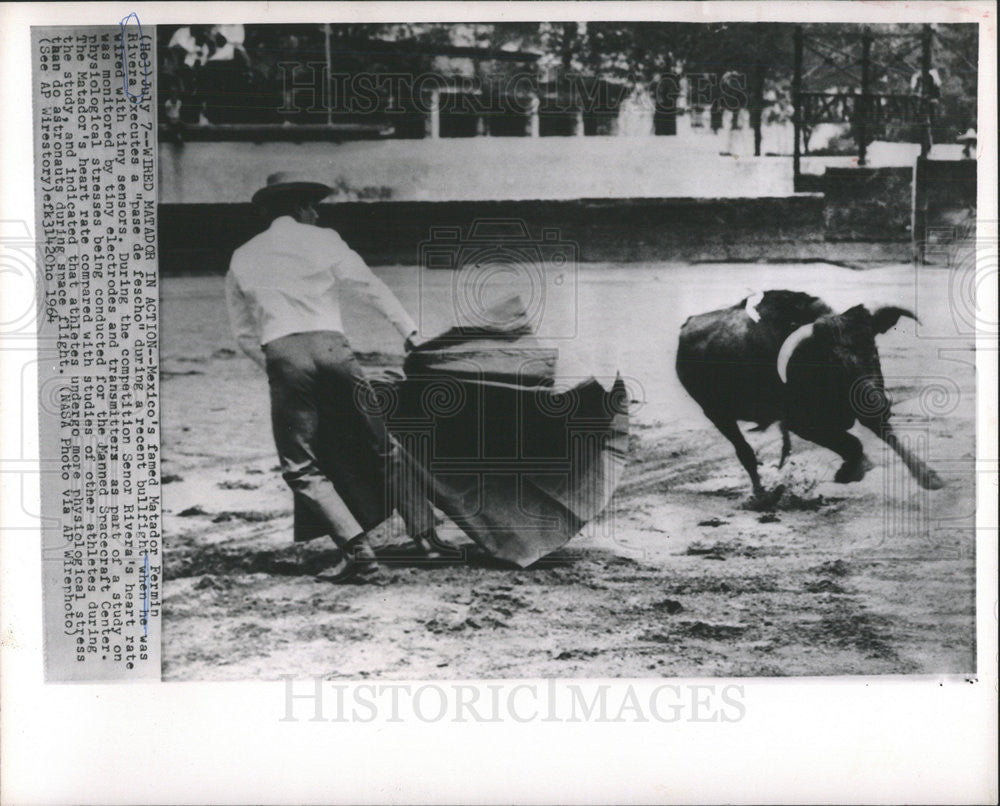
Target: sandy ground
(680,577)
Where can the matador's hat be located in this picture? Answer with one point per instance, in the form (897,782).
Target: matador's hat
(287,182)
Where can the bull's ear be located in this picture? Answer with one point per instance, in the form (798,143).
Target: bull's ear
(885,318)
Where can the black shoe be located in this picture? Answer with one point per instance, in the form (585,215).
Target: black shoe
(349,571)
(358,564)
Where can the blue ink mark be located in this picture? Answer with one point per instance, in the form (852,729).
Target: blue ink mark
(143,60)
(145,594)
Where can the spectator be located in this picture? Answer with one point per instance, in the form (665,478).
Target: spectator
(172,110)
(968,141)
(929,94)
(194,41)
(229,42)
(933,88)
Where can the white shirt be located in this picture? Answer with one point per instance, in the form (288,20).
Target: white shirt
(234,36)
(287,279)
(195,53)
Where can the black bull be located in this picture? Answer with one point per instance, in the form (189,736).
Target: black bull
(728,360)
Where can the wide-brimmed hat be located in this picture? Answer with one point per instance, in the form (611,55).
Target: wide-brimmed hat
(968,137)
(287,182)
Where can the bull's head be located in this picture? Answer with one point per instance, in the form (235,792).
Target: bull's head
(839,356)
(848,339)
(854,322)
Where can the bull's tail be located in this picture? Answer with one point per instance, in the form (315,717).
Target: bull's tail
(925,476)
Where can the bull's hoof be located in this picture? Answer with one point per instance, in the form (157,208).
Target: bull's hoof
(764,500)
(853,471)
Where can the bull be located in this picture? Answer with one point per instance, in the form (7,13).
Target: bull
(786,357)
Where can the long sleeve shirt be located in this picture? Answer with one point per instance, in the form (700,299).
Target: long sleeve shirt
(287,280)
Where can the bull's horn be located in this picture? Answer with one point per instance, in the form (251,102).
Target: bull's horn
(785,353)
(885,318)
(751,307)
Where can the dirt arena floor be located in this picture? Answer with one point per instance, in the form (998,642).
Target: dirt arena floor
(680,577)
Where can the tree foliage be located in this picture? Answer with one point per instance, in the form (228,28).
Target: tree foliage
(641,53)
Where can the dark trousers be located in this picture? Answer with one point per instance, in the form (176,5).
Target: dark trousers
(316,384)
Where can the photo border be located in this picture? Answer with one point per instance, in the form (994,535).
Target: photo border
(861,739)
